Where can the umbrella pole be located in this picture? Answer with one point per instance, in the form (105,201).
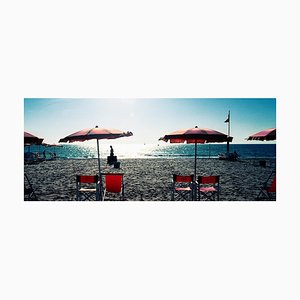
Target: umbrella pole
(195,174)
(228,134)
(100,177)
(195,161)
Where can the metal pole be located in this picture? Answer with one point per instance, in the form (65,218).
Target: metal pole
(98,157)
(194,192)
(195,171)
(228,131)
(229,123)
(100,177)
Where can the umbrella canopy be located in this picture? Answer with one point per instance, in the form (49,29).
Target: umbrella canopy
(264,135)
(196,135)
(94,133)
(98,134)
(31,139)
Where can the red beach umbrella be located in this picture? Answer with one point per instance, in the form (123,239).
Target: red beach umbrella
(98,134)
(197,136)
(32,139)
(264,135)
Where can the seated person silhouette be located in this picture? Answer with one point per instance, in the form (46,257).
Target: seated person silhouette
(112,158)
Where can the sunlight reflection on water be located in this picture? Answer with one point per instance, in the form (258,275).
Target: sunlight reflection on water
(164,150)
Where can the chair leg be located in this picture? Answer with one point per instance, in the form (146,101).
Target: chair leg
(31,193)
(203,196)
(101,192)
(77,191)
(184,196)
(34,195)
(97,193)
(194,191)
(173,192)
(262,194)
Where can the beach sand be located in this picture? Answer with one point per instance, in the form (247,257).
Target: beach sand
(149,179)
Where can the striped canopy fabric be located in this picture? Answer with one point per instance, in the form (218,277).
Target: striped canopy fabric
(94,133)
(264,135)
(30,139)
(196,135)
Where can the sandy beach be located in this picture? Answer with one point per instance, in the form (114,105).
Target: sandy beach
(149,179)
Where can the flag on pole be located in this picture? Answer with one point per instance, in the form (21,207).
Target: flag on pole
(227,120)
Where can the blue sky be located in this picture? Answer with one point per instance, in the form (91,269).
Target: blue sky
(148,119)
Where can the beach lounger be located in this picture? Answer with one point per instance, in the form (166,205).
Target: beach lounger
(182,187)
(87,187)
(268,191)
(29,193)
(114,185)
(208,187)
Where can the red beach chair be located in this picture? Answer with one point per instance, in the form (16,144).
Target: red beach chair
(208,187)
(114,184)
(87,186)
(268,192)
(182,187)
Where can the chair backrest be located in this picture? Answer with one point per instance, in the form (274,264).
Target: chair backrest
(113,182)
(87,178)
(183,178)
(272,188)
(208,179)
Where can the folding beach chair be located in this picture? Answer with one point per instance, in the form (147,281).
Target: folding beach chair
(182,187)
(268,191)
(208,187)
(114,185)
(29,193)
(87,187)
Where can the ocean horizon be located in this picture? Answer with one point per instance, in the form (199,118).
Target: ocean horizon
(123,151)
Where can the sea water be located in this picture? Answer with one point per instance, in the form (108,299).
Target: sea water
(165,150)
